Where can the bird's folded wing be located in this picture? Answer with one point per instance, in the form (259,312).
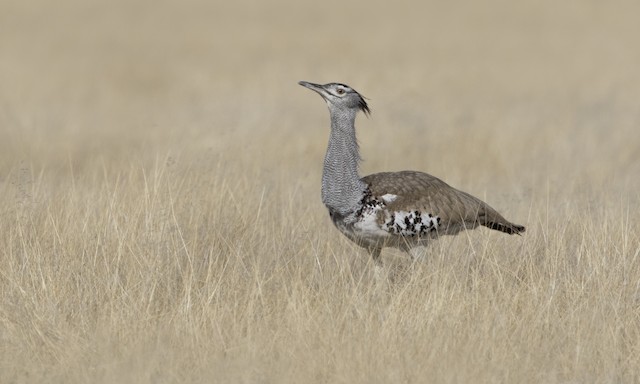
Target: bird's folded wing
(410,191)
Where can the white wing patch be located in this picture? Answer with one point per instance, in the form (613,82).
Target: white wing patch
(368,224)
(389,198)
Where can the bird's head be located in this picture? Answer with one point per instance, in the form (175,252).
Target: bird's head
(339,96)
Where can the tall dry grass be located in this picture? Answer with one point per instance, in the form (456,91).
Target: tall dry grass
(159,192)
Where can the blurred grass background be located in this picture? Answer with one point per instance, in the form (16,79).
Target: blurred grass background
(160,174)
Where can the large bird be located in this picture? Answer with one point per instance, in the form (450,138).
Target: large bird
(389,209)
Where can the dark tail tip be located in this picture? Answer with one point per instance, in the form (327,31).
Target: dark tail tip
(512,229)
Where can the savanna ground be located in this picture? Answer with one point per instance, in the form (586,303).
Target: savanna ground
(159,192)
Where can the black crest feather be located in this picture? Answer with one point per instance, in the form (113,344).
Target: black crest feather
(363,106)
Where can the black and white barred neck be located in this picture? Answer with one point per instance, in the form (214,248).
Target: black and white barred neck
(342,188)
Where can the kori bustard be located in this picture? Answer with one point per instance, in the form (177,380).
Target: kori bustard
(389,209)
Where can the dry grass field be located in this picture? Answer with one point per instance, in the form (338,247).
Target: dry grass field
(160,213)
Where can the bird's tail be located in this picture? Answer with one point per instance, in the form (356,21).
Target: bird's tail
(490,218)
(505,226)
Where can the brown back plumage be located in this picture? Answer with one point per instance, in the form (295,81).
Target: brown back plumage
(423,192)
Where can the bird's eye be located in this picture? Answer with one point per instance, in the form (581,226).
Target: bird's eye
(340,91)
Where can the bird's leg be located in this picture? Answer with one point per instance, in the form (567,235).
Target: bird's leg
(378,271)
(417,253)
(375,254)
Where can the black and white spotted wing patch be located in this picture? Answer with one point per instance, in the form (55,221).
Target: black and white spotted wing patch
(411,223)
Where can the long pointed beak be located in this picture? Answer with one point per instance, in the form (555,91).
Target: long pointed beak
(314,87)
